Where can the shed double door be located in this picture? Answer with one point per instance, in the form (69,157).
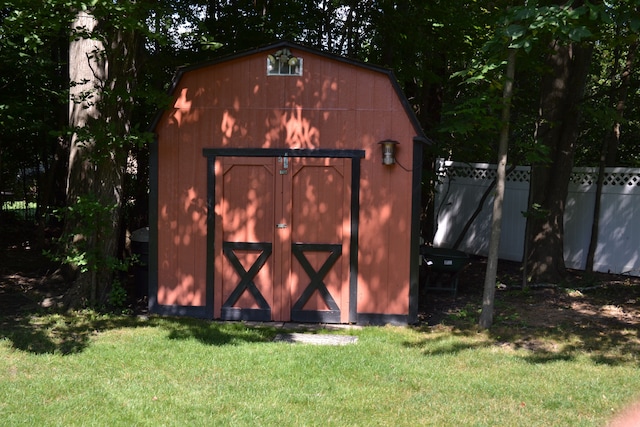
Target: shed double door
(283,240)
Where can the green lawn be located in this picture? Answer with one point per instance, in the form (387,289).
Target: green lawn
(89,369)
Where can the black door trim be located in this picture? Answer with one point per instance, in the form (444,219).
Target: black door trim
(277,152)
(354,155)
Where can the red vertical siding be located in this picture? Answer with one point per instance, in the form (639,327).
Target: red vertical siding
(181,206)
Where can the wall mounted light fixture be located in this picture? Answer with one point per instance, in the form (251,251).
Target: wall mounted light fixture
(388,151)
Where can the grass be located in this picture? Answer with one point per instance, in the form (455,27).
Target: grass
(87,369)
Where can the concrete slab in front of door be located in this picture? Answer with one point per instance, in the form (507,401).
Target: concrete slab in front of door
(294,326)
(318,339)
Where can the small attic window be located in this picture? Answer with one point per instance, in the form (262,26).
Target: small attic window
(282,63)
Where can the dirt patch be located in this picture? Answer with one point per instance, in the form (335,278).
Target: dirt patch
(587,312)
(29,280)
(26,275)
(608,297)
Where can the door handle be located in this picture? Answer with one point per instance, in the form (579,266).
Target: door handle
(281,225)
(285,164)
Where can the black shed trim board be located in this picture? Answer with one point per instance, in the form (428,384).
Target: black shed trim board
(419,141)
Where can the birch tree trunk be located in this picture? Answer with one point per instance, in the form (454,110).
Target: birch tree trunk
(486,315)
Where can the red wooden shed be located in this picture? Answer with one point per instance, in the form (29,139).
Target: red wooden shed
(270,197)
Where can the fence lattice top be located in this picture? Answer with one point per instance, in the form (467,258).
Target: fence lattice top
(580,176)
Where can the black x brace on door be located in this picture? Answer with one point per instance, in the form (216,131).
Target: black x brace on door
(229,312)
(316,282)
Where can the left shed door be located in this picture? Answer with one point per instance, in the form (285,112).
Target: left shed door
(245,197)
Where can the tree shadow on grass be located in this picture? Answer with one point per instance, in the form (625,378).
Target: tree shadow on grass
(72,332)
(216,333)
(441,345)
(611,343)
(57,333)
(448,342)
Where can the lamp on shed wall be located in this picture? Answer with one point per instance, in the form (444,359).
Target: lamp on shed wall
(388,151)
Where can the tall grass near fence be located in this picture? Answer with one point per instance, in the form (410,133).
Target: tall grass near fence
(89,369)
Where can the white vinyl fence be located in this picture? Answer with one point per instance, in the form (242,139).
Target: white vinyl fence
(462,186)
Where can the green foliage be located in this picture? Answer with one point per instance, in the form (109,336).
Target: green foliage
(117,295)
(536,212)
(614,55)
(469,313)
(32,86)
(93,221)
(534,154)
(473,117)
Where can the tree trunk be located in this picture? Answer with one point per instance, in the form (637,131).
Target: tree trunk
(609,149)
(486,316)
(86,75)
(562,92)
(103,75)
